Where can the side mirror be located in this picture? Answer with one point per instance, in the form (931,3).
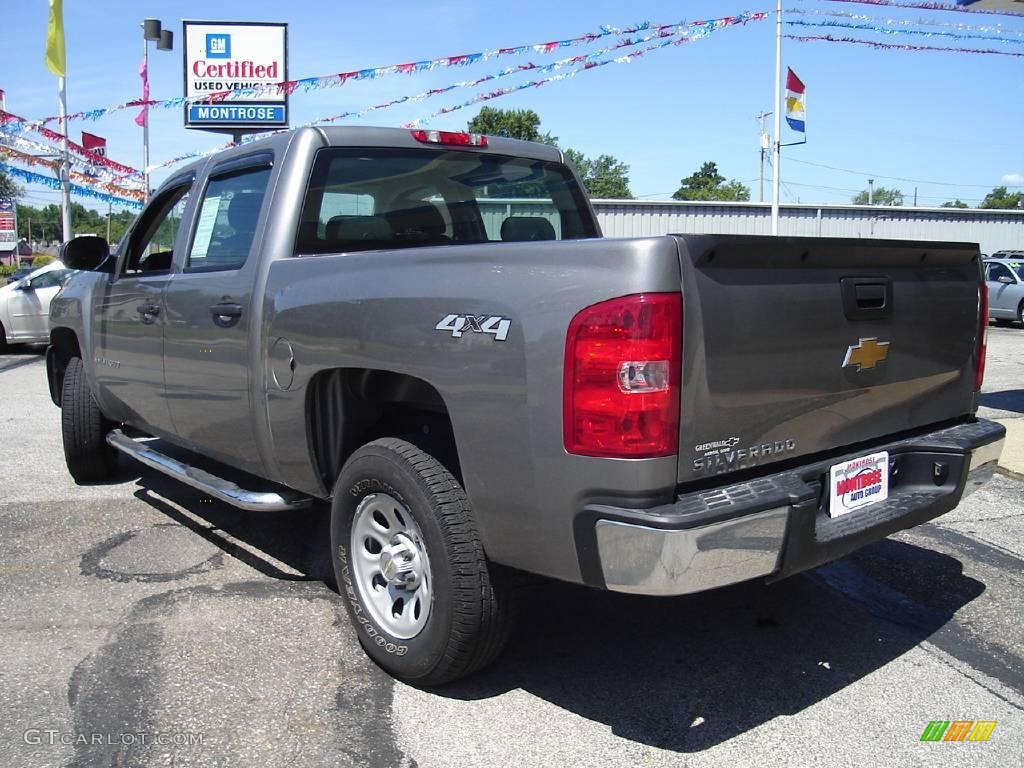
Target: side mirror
(1007,280)
(24,285)
(86,252)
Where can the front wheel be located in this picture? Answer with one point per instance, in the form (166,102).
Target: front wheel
(84,428)
(425,603)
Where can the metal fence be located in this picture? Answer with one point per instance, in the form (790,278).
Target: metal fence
(993,230)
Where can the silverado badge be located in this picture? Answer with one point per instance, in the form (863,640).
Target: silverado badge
(866,354)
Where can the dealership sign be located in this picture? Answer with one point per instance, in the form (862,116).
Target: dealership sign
(8,226)
(229,55)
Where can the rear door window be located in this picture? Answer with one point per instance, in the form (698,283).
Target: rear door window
(377,198)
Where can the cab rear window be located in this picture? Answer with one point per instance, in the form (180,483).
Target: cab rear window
(364,199)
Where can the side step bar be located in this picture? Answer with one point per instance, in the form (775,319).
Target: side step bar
(218,487)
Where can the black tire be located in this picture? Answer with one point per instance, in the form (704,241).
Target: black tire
(470,613)
(84,429)
(1020,313)
(4,346)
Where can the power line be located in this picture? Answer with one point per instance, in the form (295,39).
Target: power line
(897,178)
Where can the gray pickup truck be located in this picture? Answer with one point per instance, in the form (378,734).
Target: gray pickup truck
(426,330)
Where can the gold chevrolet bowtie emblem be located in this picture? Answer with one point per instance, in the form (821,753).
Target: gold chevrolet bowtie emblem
(866,354)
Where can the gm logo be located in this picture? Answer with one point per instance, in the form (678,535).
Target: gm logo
(218,46)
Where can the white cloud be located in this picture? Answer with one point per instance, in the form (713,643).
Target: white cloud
(1014,180)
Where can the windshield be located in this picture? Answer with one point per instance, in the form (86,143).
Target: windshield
(362,199)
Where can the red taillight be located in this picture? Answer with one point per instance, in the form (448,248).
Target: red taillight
(450,138)
(979,374)
(622,377)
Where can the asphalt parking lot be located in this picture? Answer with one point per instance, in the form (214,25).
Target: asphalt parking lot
(146,625)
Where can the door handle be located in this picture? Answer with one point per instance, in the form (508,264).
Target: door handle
(867,298)
(148,312)
(226,313)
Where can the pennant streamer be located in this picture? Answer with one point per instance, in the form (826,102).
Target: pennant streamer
(895,47)
(692,31)
(887,31)
(929,7)
(83,178)
(922,22)
(76,189)
(702,30)
(372,73)
(7,120)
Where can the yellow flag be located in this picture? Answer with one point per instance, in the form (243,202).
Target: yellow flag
(55,60)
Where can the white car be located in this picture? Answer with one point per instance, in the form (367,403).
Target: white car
(25,305)
(1004,273)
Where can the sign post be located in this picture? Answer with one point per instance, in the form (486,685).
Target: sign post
(231,55)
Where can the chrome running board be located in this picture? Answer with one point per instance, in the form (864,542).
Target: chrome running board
(218,487)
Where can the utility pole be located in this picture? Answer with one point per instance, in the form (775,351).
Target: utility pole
(915,197)
(109,209)
(65,165)
(871,191)
(765,141)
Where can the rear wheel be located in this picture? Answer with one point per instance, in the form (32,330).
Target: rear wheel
(4,346)
(84,429)
(1020,313)
(425,603)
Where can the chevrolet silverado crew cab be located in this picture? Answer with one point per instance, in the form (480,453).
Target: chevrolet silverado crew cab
(426,330)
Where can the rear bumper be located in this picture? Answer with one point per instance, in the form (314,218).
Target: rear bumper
(778,525)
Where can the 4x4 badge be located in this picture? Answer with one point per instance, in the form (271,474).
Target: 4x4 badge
(866,354)
(459,324)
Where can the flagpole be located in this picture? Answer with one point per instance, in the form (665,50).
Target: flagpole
(777,155)
(65,165)
(145,118)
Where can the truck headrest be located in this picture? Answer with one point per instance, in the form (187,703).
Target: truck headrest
(350,228)
(521,228)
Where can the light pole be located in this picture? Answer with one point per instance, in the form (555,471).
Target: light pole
(164,38)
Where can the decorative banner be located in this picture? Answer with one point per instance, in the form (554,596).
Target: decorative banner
(894,47)
(94,143)
(887,31)
(52,183)
(307,84)
(796,106)
(88,169)
(702,30)
(922,22)
(930,7)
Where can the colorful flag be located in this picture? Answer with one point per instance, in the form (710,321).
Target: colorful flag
(55,60)
(796,104)
(143,116)
(94,143)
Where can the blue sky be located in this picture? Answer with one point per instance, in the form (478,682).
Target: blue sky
(929,117)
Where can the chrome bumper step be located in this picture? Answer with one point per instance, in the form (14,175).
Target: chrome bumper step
(217,487)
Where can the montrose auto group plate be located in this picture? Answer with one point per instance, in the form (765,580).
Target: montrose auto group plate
(858,483)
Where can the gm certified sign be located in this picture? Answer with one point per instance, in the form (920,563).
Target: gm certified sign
(223,56)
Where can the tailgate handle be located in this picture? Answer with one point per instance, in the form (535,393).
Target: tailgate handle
(865,298)
(870,296)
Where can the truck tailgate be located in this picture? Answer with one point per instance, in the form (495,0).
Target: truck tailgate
(799,346)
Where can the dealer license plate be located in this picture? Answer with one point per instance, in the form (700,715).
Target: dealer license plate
(858,483)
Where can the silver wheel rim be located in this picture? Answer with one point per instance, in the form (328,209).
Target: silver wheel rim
(391,566)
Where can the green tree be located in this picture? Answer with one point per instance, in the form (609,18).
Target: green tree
(8,189)
(882,196)
(41,261)
(511,123)
(1001,197)
(958,203)
(604,177)
(708,184)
